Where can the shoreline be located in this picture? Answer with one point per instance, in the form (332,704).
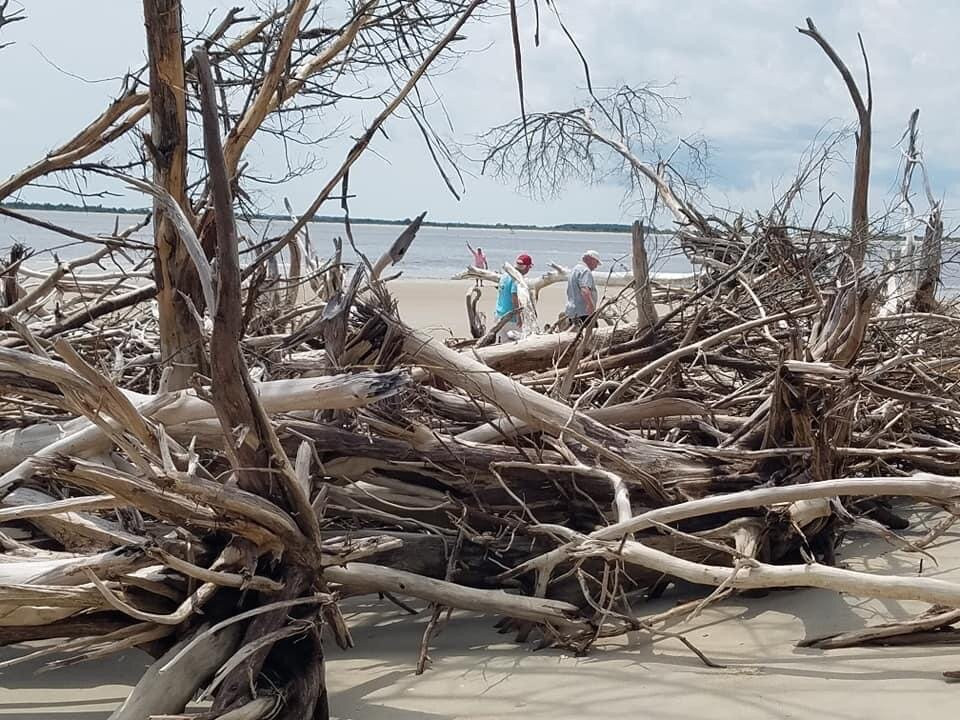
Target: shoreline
(571,227)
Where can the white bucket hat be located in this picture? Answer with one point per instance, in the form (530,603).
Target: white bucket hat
(592,254)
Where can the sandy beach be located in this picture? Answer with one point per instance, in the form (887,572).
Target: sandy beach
(480,675)
(439,306)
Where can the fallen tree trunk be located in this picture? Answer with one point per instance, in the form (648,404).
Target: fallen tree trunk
(549,415)
(336,392)
(925,485)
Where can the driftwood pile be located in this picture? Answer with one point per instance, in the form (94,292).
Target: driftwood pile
(727,440)
(213,503)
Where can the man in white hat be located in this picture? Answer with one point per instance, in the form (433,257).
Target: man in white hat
(582,289)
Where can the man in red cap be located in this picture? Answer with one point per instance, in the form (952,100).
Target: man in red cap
(507,303)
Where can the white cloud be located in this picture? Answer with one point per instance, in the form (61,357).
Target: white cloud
(756,89)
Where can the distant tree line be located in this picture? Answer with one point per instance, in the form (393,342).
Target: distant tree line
(564,227)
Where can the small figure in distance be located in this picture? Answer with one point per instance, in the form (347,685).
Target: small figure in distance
(582,290)
(479,261)
(507,303)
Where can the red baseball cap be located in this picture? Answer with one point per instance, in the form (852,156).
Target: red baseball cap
(524,259)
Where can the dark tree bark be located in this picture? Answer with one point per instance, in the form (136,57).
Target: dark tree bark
(105,307)
(930,260)
(646,310)
(235,401)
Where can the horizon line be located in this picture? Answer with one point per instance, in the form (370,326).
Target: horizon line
(596,226)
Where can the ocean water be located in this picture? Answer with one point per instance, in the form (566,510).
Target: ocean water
(437,252)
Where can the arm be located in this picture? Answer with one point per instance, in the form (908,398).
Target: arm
(587,296)
(515,313)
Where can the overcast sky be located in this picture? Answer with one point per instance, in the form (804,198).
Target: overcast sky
(756,89)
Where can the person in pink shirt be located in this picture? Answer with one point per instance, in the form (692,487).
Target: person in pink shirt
(479,260)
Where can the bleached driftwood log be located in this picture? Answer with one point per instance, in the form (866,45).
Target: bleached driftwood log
(371,578)
(529,320)
(80,436)
(926,485)
(476,318)
(559,274)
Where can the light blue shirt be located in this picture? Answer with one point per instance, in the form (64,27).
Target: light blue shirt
(508,286)
(580,277)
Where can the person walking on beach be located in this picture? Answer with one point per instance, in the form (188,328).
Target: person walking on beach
(508,305)
(479,261)
(582,289)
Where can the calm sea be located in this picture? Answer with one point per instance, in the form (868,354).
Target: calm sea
(437,252)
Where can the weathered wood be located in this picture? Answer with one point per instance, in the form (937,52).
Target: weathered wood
(72,570)
(73,530)
(398,249)
(859,218)
(169,692)
(928,272)
(518,480)
(475,318)
(546,414)
(924,485)
(237,406)
(371,578)
(80,437)
(11,292)
(762,575)
(181,340)
(94,312)
(878,634)
(538,352)
(91,625)
(627,415)
(227,367)
(256,110)
(643,294)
